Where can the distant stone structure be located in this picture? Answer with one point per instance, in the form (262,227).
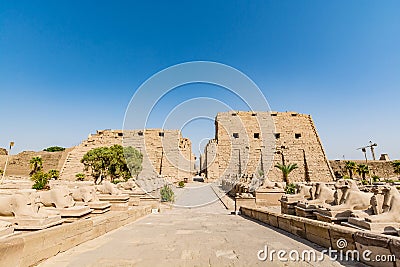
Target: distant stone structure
(18,165)
(380,168)
(166,154)
(248,143)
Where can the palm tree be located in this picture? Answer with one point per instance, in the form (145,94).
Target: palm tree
(396,166)
(36,165)
(286,170)
(362,169)
(350,166)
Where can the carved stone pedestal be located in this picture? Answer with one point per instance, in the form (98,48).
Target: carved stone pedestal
(269,197)
(118,202)
(382,228)
(249,202)
(73,213)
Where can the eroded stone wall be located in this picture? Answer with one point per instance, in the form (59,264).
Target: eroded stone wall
(380,168)
(18,165)
(253,142)
(165,152)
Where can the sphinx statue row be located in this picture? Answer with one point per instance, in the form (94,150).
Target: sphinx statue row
(344,203)
(246,185)
(28,209)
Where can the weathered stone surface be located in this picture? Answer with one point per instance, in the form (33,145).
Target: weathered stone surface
(18,165)
(247,151)
(166,155)
(11,250)
(27,249)
(377,244)
(244,202)
(318,232)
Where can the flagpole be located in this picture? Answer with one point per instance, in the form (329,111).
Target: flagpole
(5,166)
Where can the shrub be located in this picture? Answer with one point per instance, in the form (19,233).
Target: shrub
(116,181)
(41,180)
(346,177)
(181,184)
(290,189)
(54,149)
(80,176)
(53,174)
(375,178)
(167,195)
(365,182)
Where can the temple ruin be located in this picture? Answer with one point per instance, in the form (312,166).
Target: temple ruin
(165,152)
(247,143)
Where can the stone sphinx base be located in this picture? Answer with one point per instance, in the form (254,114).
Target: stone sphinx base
(249,202)
(147,200)
(6,229)
(134,196)
(288,204)
(118,202)
(305,211)
(382,228)
(73,213)
(268,197)
(32,224)
(333,216)
(97,207)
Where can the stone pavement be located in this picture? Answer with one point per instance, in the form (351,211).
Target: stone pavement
(205,236)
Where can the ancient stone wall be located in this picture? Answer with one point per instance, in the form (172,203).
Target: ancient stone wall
(18,165)
(165,152)
(253,142)
(380,168)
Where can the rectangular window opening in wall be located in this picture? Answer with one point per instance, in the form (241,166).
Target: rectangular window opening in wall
(277,135)
(294,114)
(297,136)
(257,135)
(254,114)
(140,133)
(235,135)
(120,134)
(160,134)
(274,114)
(234,114)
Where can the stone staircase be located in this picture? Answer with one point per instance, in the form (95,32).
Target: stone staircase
(72,164)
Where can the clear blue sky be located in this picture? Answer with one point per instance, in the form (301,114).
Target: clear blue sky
(68,68)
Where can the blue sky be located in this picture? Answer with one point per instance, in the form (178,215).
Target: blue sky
(68,68)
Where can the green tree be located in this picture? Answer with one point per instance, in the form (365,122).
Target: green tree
(362,169)
(36,165)
(114,162)
(40,180)
(350,166)
(54,149)
(97,160)
(286,170)
(396,166)
(53,174)
(134,160)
